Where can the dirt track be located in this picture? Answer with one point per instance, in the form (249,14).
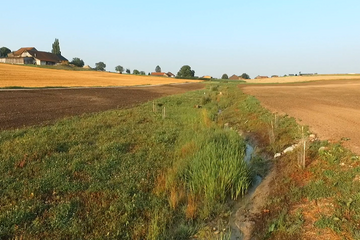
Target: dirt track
(330,108)
(19,108)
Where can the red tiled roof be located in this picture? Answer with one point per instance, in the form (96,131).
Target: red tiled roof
(235,77)
(158,74)
(21,50)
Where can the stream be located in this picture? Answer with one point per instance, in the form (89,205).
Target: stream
(243,205)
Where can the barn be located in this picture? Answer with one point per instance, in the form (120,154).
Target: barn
(30,55)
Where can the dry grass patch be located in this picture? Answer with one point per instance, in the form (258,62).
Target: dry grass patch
(24,76)
(312,211)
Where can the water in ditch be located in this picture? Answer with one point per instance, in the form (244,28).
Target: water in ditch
(236,234)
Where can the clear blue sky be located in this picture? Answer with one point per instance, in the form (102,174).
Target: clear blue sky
(259,37)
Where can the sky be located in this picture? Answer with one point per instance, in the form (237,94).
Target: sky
(257,37)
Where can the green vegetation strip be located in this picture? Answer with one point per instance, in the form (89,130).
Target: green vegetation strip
(60,67)
(151,172)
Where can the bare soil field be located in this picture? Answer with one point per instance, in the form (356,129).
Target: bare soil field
(19,108)
(330,108)
(305,78)
(25,76)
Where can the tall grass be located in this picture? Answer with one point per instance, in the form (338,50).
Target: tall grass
(124,174)
(218,171)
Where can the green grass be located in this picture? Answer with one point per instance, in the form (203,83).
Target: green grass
(124,174)
(217,171)
(331,176)
(224,81)
(59,67)
(330,181)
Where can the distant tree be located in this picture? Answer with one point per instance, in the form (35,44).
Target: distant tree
(56,47)
(225,76)
(100,66)
(127,71)
(158,68)
(142,73)
(245,76)
(136,72)
(4,51)
(119,69)
(77,62)
(186,72)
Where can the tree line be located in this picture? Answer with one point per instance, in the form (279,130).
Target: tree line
(243,76)
(184,72)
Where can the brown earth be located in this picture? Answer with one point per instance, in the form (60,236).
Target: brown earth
(320,77)
(19,108)
(330,108)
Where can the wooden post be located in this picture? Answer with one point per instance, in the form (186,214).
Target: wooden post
(164,113)
(304,157)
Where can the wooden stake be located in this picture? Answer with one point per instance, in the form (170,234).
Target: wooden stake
(304,157)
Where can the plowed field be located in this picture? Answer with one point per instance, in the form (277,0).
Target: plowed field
(330,108)
(309,78)
(20,108)
(25,76)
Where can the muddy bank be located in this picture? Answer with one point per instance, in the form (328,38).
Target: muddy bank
(251,205)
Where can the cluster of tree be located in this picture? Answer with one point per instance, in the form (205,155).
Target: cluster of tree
(56,47)
(56,50)
(137,72)
(185,72)
(224,76)
(100,66)
(4,51)
(77,62)
(243,76)
(120,69)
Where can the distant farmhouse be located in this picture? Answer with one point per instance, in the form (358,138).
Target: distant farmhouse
(162,74)
(307,74)
(31,55)
(235,77)
(261,77)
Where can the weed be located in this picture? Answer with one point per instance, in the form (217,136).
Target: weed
(214,88)
(328,222)
(205,99)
